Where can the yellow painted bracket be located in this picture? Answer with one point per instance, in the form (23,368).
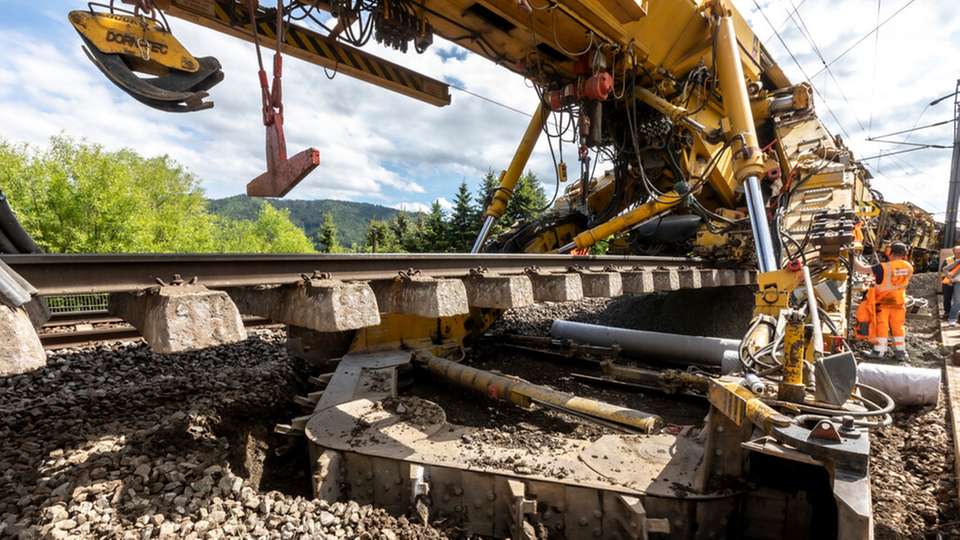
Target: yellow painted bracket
(140,38)
(740,404)
(774,290)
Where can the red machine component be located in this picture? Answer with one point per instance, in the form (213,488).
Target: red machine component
(596,88)
(282,173)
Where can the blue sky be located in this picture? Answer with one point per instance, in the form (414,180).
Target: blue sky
(383,148)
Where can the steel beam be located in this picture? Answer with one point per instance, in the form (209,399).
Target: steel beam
(231,17)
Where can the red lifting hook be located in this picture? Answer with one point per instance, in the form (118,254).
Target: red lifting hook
(282,173)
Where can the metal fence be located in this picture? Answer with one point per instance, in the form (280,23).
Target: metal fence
(76,303)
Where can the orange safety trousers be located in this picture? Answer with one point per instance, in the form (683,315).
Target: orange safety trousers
(890,320)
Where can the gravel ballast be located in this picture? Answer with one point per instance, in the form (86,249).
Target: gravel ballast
(117,442)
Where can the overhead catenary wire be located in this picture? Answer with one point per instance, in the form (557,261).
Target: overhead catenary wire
(935,124)
(805,32)
(783,24)
(490,100)
(924,147)
(802,71)
(864,37)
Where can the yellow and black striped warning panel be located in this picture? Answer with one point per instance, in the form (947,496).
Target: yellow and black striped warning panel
(231,17)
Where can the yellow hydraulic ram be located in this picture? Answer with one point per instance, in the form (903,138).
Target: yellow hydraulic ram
(645,211)
(509,177)
(522,393)
(791,388)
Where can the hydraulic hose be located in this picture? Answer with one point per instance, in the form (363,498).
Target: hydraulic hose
(6,246)
(14,232)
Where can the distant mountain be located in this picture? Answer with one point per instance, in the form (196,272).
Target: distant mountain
(351,217)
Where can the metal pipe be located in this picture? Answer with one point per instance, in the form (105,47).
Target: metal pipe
(814,313)
(482,236)
(523,393)
(509,177)
(645,211)
(714,352)
(675,112)
(762,241)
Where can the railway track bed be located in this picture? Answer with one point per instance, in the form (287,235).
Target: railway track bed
(153,426)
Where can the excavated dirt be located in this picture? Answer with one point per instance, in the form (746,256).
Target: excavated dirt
(912,464)
(912,474)
(116,442)
(719,312)
(119,442)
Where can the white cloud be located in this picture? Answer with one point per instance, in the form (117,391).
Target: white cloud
(881,85)
(382,147)
(445,204)
(411,207)
(375,145)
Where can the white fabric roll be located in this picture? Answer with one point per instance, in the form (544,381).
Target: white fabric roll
(905,384)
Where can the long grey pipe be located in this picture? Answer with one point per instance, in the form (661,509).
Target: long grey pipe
(714,352)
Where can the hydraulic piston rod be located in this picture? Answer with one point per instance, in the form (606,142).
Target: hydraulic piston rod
(522,393)
(509,177)
(748,159)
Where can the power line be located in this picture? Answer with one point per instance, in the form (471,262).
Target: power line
(783,23)
(924,147)
(913,170)
(865,36)
(802,71)
(490,100)
(907,143)
(935,124)
(805,32)
(880,174)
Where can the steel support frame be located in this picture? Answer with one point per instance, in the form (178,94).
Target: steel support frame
(231,17)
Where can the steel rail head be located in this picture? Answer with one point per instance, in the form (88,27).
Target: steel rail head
(72,274)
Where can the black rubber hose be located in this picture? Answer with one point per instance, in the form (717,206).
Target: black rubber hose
(13,230)
(6,246)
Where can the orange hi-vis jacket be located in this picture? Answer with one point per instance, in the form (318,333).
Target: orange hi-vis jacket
(892,291)
(949,273)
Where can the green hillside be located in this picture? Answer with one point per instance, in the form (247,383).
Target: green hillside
(351,217)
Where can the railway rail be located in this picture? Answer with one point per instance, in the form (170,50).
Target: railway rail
(79,274)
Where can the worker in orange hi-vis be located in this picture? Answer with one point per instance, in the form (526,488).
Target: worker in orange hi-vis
(948,278)
(892,278)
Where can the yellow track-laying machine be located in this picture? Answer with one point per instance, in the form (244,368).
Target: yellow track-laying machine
(705,150)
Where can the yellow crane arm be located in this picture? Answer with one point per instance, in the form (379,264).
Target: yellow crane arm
(232,18)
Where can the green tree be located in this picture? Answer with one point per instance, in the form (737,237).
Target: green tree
(463,221)
(327,237)
(271,232)
(380,238)
(417,240)
(526,203)
(402,229)
(528,200)
(435,230)
(80,198)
